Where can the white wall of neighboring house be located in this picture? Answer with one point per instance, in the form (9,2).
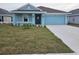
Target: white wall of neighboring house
(74,19)
(7,19)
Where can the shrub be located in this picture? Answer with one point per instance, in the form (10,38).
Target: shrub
(27,26)
(44,26)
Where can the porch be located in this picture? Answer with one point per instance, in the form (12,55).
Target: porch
(28,18)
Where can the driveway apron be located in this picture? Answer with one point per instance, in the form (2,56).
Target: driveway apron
(68,34)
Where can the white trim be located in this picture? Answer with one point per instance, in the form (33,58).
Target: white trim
(39,12)
(73,14)
(66,19)
(22,22)
(26,12)
(6,14)
(57,13)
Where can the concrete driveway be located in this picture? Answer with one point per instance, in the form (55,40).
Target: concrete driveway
(68,34)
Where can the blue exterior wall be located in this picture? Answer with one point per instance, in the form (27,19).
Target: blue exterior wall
(43,19)
(33,19)
(55,19)
(46,19)
(29,17)
(18,18)
(14,19)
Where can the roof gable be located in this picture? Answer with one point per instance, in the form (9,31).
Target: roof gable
(50,10)
(2,11)
(28,7)
(76,11)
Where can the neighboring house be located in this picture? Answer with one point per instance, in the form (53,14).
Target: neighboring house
(5,16)
(74,17)
(39,15)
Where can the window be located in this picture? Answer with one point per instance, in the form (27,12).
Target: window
(25,19)
(38,17)
(1,19)
(28,7)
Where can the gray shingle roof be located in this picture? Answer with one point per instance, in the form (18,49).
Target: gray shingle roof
(2,11)
(28,7)
(76,11)
(50,10)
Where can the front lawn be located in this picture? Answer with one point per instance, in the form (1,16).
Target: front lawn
(16,40)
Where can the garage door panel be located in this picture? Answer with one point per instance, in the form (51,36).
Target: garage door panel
(7,19)
(55,20)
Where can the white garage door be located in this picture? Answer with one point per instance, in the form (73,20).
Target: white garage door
(7,19)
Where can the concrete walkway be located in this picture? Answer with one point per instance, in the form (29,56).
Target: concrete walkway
(68,34)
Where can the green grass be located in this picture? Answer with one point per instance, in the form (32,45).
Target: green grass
(16,40)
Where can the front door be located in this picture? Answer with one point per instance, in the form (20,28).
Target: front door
(37,18)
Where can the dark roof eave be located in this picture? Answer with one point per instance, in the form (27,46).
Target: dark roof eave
(50,10)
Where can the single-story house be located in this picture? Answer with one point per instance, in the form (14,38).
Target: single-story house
(39,15)
(74,17)
(5,16)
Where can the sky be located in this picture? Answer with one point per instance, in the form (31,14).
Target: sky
(60,6)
